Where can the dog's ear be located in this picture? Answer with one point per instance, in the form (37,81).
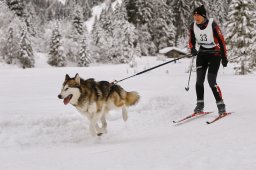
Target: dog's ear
(77,78)
(67,77)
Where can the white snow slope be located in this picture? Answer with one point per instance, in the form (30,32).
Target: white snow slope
(96,11)
(37,131)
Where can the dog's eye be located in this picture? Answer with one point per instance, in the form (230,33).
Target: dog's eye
(66,89)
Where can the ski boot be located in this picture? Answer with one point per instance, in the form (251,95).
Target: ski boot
(221,107)
(199,106)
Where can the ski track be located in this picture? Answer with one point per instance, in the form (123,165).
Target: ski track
(72,127)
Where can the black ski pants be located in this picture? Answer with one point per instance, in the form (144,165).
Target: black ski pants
(211,62)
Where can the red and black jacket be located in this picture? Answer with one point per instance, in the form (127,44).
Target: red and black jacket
(218,38)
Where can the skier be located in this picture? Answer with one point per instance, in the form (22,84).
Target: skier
(211,52)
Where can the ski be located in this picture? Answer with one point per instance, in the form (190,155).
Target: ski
(194,115)
(219,117)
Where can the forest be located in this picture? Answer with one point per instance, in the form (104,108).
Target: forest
(121,32)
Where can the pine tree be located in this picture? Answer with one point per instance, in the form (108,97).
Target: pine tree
(56,56)
(182,14)
(218,10)
(163,29)
(106,19)
(139,12)
(145,10)
(170,23)
(10,31)
(26,56)
(17,6)
(226,9)
(85,8)
(196,3)
(87,12)
(142,14)
(30,18)
(138,50)
(241,31)
(78,20)
(49,14)
(124,37)
(114,37)
(145,41)
(221,12)
(131,11)
(101,42)
(10,47)
(84,56)
(252,63)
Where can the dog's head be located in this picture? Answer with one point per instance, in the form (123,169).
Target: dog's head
(70,91)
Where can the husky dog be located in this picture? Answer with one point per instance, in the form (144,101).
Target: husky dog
(95,98)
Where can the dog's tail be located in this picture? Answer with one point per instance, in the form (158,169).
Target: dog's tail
(132,98)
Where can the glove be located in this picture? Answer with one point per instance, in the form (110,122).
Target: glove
(193,52)
(224,61)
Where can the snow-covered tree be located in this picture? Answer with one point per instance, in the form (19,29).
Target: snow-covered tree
(84,56)
(253,47)
(56,56)
(5,15)
(142,14)
(106,19)
(101,42)
(31,19)
(85,7)
(74,34)
(131,11)
(9,58)
(124,37)
(138,49)
(123,49)
(17,6)
(196,3)
(87,12)
(163,29)
(139,11)
(182,12)
(145,40)
(26,56)
(241,33)
(145,10)
(217,9)
(70,40)
(78,20)
(114,38)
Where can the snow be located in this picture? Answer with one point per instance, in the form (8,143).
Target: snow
(37,131)
(167,49)
(96,11)
(117,2)
(63,1)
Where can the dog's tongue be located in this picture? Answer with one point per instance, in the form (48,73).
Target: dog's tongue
(66,100)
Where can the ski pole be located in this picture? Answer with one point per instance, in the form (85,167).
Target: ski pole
(203,51)
(187,88)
